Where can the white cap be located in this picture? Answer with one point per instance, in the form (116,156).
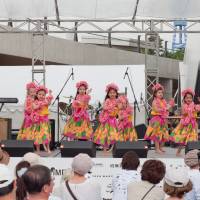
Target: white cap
(32,158)
(177,177)
(82,163)
(6,177)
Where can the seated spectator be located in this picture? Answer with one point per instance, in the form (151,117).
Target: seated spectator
(152,173)
(7,184)
(177,184)
(130,163)
(38,182)
(192,161)
(78,186)
(4,157)
(20,169)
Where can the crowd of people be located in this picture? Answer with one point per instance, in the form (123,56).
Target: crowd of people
(34,181)
(115,119)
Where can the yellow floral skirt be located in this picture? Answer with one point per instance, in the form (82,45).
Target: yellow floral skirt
(106,135)
(128,134)
(184,134)
(78,130)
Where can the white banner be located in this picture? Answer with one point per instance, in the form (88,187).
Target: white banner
(102,172)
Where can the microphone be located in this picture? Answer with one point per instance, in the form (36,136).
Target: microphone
(72,73)
(126,73)
(141,98)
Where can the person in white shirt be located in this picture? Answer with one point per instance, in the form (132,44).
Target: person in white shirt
(7,184)
(127,174)
(78,187)
(192,161)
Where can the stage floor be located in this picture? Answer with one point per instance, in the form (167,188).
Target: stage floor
(170,153)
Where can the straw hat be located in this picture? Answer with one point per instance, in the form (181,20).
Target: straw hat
(191,158)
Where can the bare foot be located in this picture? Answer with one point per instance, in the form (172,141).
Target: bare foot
(49,151)
(178,154)
(158,151)
(109,150)
(162,150)
(37,152)
(105,151)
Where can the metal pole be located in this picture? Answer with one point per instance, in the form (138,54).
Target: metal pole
(165,53)
(139,40)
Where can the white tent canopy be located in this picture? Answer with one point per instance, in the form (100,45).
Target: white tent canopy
(96,9)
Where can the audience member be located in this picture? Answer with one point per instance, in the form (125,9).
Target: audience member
(4,157)
(7,184)
(130,163)
(78,186)
(177,184)
(152,173)
(38,182)
(20,169)
(192,161)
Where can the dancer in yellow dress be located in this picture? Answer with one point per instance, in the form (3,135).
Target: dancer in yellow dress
(157,130)
(42,128)
(106,133)
(126,129)
(186,130)
(25,132)
(79,126)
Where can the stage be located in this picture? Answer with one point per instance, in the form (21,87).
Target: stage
(170,153)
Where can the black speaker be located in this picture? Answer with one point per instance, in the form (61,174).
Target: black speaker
(141,130)
(53,142)
(140,147)
(192,145)
(72,148)
(17,148)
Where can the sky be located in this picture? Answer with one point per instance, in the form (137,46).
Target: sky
(14,78)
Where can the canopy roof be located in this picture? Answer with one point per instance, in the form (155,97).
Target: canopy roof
(98,9)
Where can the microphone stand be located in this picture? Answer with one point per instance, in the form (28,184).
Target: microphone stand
(145,107)
(58,101)
(199,159)
(135,100)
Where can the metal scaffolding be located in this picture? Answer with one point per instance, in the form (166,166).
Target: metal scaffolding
(38,57)
(151,73)
(39,28)
(95,26)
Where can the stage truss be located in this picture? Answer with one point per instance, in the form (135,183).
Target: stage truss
(96,26)
(149,27)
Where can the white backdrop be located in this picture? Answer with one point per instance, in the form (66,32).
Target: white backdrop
(13,80)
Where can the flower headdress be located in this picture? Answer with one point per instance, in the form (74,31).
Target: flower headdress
(82,83)
(122,99)
(31,85)
(42,87)
(187,91)
(157,87)
(111,86)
